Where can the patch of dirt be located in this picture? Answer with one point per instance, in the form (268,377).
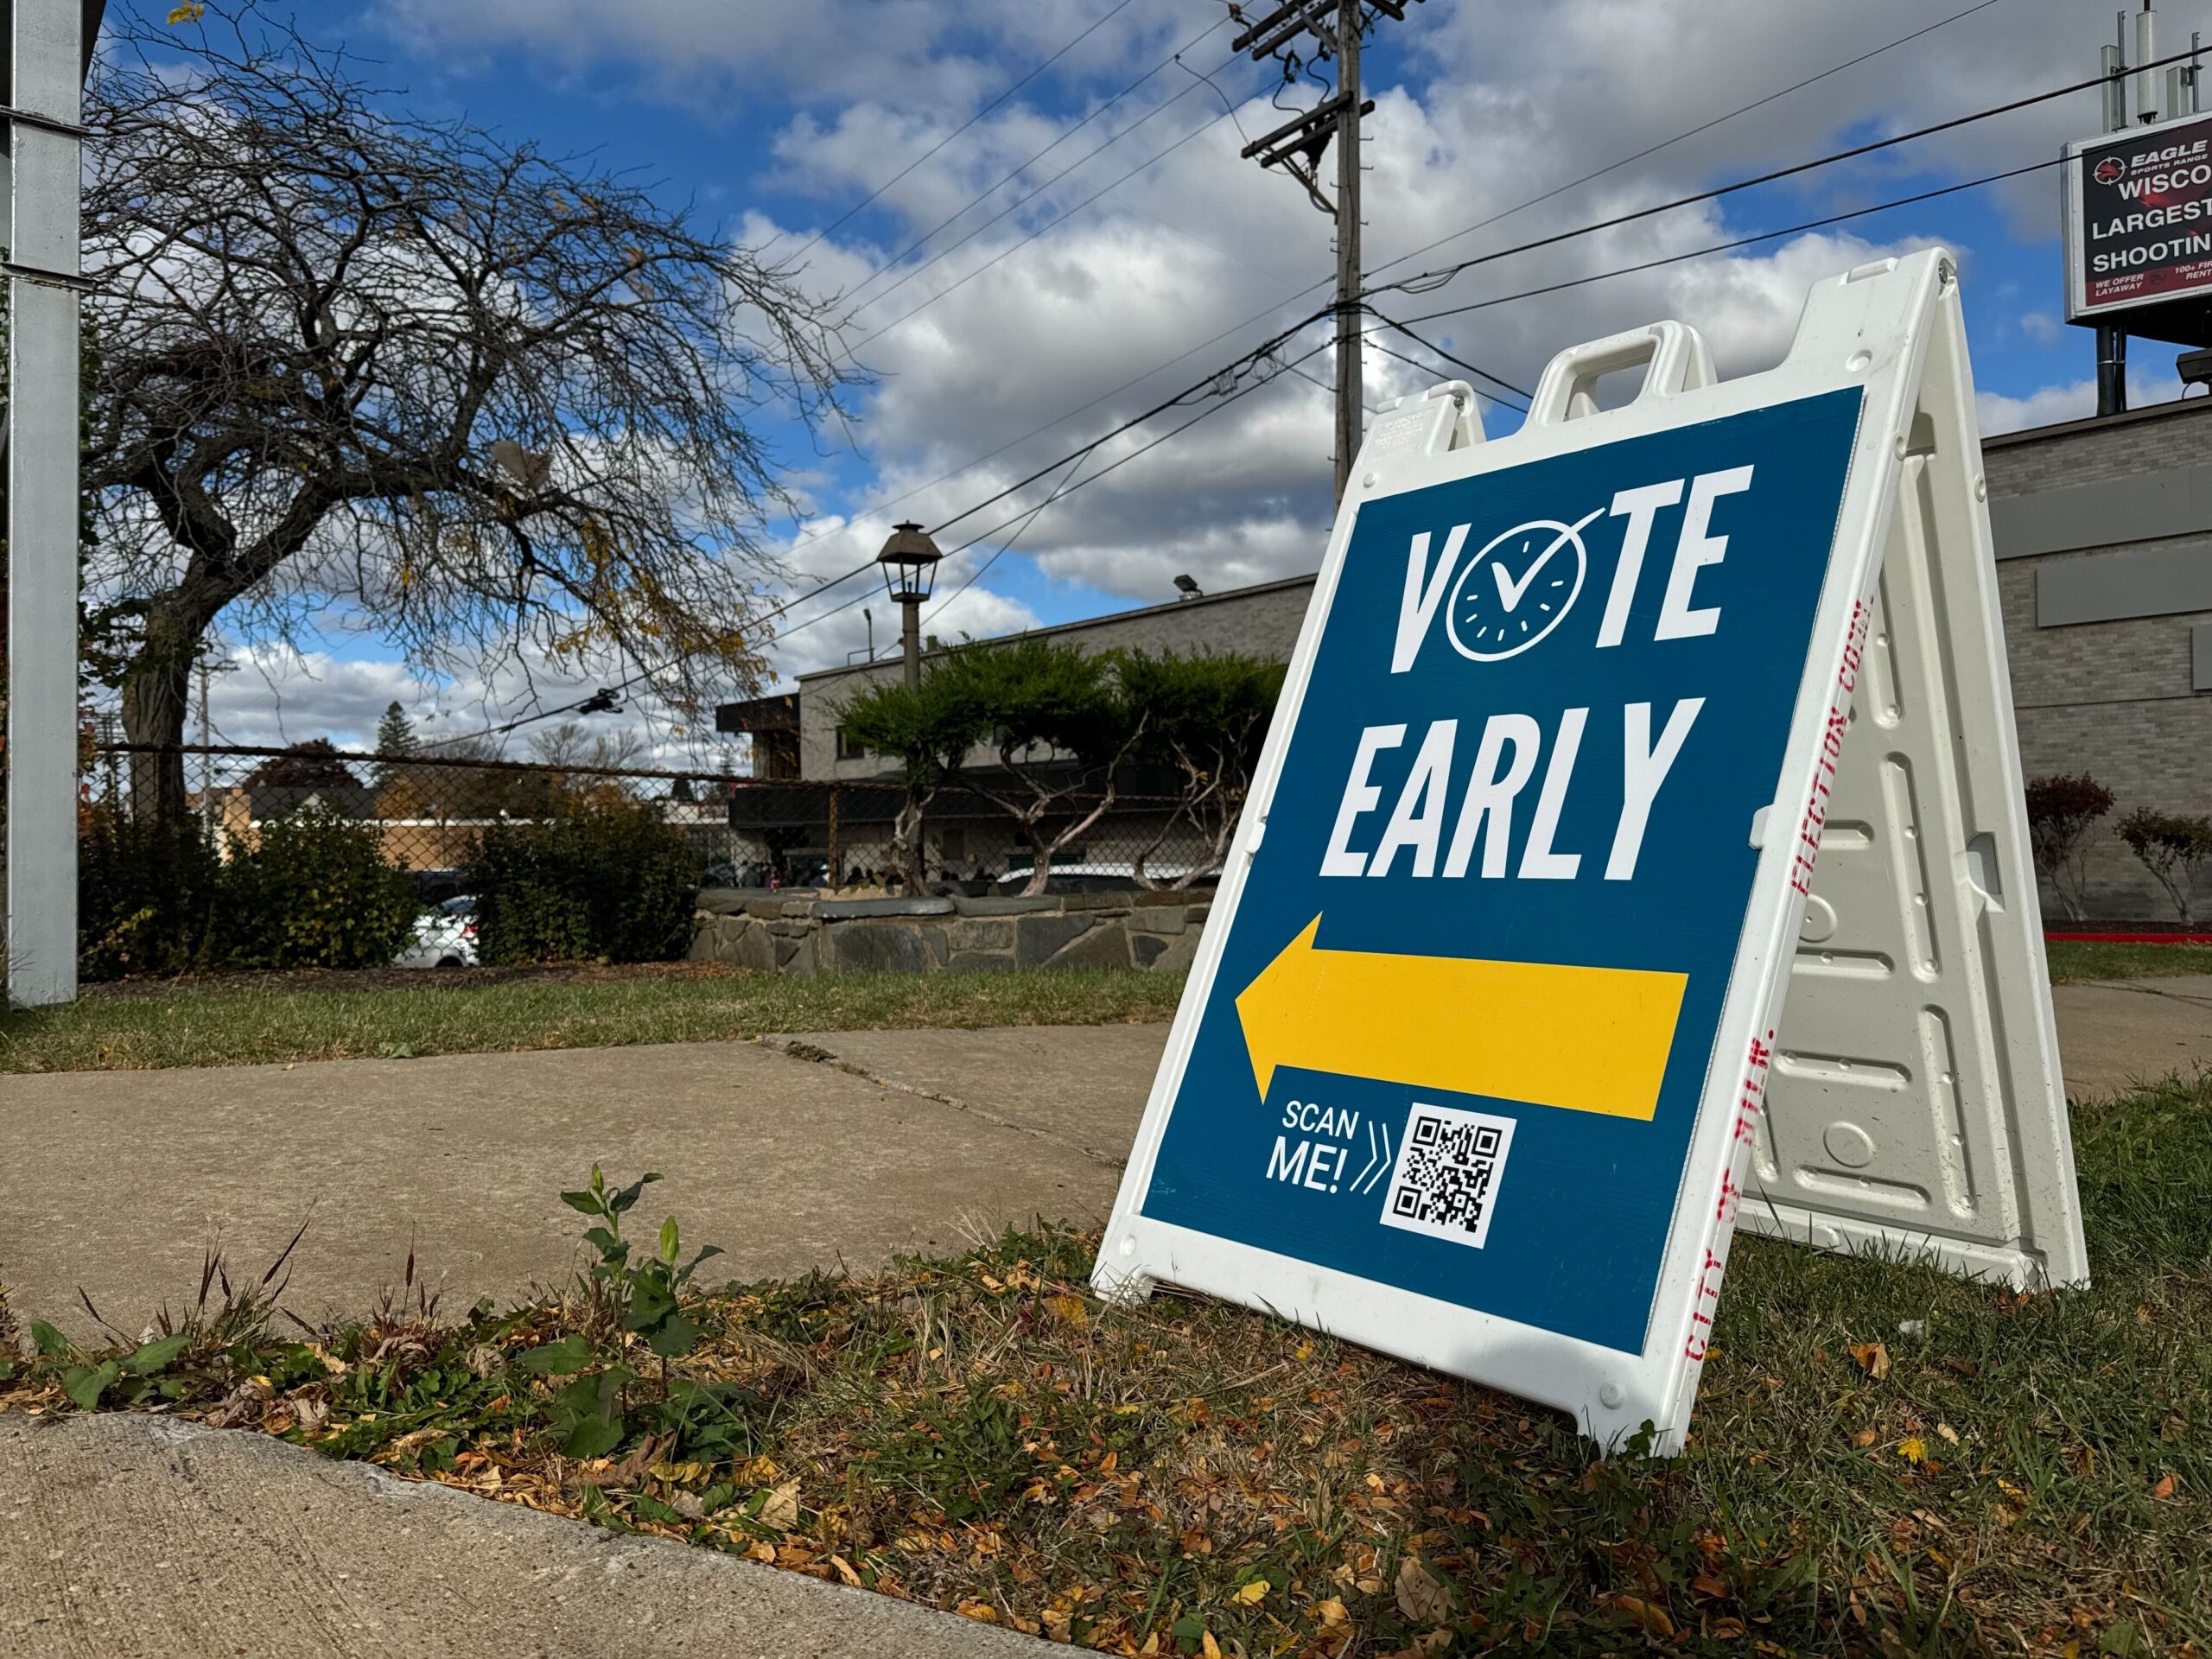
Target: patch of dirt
(287,983)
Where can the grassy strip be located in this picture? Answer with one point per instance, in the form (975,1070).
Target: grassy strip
(1885,1460)
(2073,960)
(431,1015)
(244,1027)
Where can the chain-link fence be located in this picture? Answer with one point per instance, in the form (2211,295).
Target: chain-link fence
(429,812)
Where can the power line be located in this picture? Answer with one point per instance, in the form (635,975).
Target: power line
(1427,281)
(1030,514)
(1153,160)
(1066,489)
(1119,6)
(1437,351)
(1415,363)
(1007,178)
(1740,242)
(623,685)
(1279,305)
(1680,138)
(982,569)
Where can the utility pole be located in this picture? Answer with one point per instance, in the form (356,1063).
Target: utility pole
(1336,29)
(1351,276)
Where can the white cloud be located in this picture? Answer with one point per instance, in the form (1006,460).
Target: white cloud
(2073,400)
(1497,105)
(2045,406)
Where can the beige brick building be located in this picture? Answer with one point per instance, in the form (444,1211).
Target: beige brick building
(2104,548)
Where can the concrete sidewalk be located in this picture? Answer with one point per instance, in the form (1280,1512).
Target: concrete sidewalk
(789,1164)
(2115,1035)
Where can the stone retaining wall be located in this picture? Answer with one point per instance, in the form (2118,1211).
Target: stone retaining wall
(799,933)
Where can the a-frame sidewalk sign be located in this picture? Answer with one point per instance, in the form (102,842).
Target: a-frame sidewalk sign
(1638,852)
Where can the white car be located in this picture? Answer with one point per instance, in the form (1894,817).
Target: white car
(444,938)
(1092,875)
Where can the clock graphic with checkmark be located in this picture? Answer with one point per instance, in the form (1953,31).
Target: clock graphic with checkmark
(1518,588)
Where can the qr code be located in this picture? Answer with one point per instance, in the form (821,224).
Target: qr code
(1450,1163)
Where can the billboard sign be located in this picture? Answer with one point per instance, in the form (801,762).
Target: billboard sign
(2138,218)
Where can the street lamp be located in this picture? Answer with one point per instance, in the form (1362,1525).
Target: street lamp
(910,561)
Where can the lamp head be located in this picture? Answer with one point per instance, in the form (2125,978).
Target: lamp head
(909,560)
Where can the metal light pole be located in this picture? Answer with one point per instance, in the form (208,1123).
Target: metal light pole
(45,50)
(910,561)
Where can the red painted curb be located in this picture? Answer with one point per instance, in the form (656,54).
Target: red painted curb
(2133,938)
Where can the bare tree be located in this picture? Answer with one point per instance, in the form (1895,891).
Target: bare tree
(569,744)
(355,366)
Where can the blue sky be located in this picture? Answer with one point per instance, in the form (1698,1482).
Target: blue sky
(774,121)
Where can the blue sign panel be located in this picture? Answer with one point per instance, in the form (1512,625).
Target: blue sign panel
(1464,1013)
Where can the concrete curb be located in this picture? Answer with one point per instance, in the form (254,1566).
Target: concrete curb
(125,1534)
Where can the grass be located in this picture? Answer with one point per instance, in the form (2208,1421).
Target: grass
(245,1026)
(240,1022)
(298,1018)
(1886,1460)
(2074,960)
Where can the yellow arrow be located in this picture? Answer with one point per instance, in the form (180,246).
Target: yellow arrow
(1589,1040)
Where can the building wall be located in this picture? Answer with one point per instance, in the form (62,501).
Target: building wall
(1262,621)
(2117,699)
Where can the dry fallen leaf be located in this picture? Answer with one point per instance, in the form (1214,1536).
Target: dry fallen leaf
(1653,1620)
(1420,1598)
(1873,1358)
(1330,1612)
(1208,1647)
(978,1610)
(2165,1488)
(1256,1591)
(1864,1438)
(1071,1310)
(1947,1433)
(845,1571)
(781,1509)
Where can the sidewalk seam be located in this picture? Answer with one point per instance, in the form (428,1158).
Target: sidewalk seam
(815,1054)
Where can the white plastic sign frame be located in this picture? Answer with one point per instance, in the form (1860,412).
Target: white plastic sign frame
(1893,332)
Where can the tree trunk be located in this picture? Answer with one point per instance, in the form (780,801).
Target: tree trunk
(906,841)
(1040,859)
(156,690)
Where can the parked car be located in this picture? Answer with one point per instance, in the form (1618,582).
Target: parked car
(444,938)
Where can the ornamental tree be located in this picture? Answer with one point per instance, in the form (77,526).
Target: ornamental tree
(927,731)
(1058,724)
(1205,718)
(2176,850)
(2061,811)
